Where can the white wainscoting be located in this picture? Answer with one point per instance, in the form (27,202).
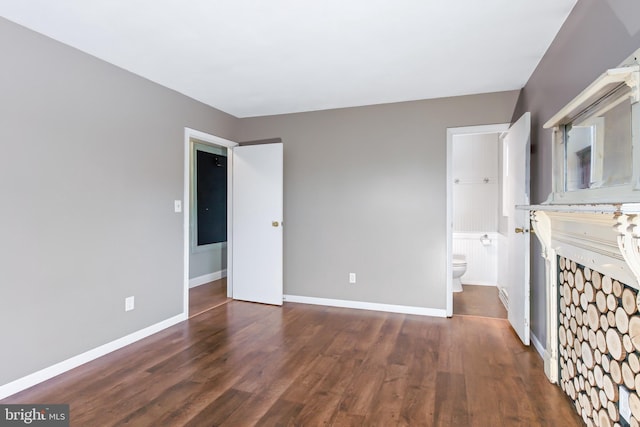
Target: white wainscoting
(482,260)
(474,205)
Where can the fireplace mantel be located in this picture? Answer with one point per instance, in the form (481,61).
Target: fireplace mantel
(602,237)
(589,229)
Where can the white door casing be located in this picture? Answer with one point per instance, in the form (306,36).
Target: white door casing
(257,223)
(518,143)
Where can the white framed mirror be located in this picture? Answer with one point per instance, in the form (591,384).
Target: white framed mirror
(596,155)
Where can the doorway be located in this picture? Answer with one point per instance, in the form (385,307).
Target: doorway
(513,255)
(476,224)
(207,219)
(474,219)
(207,213)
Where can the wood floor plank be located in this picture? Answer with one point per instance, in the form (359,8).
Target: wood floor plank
(450,340)
(418,405)
(220,409)
(246,364)
(451,400)
(324,402)
(387,404)
(282,412)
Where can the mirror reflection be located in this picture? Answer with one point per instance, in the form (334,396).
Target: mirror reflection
(598,145)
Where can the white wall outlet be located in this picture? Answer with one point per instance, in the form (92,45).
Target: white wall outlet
(129,303)
(623,402)
(352,277)
(177,206)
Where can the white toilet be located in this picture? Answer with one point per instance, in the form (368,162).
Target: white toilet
(459,268)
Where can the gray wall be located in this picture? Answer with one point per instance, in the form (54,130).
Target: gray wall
(207,261)
(597,35)
(91,159)
(365,192)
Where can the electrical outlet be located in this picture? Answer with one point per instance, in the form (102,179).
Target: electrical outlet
(623,404)
(129,303)
(352,277)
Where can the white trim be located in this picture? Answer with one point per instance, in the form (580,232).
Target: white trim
(209,138)
(537,344)
(596,208)
(627,74)
(361,305)
(479,283)
(75,361)
(216,140)
(230,224)
(503,295)
(206,278)
(451,132)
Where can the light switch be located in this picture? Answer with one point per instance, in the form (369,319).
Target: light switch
(177,205)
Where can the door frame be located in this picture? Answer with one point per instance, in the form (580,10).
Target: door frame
(206,138)
(451,133)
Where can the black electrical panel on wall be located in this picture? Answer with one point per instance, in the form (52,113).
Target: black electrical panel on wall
(211,193)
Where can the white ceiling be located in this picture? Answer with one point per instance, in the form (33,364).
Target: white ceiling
(252,57)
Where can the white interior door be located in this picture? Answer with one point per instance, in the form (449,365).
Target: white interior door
(518,143)
(257,223)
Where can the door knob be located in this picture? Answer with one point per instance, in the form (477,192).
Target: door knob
(275,223)
(520,230)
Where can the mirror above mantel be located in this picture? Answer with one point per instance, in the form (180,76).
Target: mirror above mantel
(596,140)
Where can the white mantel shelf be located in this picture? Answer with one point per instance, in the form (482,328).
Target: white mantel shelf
(603,237)
(595,208)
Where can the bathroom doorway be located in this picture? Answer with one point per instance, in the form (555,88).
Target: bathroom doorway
(477,233)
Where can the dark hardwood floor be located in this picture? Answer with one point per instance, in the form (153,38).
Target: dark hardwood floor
(244,364)
(207,296)
(479,301)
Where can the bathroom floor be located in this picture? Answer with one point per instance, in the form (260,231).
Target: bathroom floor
(480,301)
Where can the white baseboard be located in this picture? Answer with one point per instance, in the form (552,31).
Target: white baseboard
(477,283)
(504,297)
(359,305)
(206,278)
(537,344)
(75,361)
